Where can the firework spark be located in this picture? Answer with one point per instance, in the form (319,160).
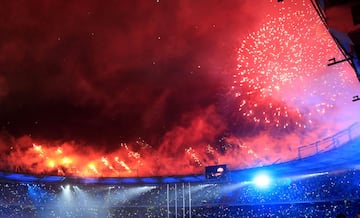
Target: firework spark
(279,74)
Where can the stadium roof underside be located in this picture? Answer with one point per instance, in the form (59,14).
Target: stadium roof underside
(342,18)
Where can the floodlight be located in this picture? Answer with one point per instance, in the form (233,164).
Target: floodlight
(262,180)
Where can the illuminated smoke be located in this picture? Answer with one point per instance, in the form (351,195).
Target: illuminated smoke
(154,105)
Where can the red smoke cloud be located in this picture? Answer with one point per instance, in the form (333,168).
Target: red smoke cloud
(127,88)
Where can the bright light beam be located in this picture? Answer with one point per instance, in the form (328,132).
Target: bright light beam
(262,180)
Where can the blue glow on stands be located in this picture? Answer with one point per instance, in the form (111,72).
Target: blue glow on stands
(170,180)
(149,180)
(111,181)
(193,178)
(262,180)
(129,180)
(90,180)
(21,177)
(52,178)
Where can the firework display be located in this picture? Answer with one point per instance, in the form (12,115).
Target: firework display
(280,76)
(120,96)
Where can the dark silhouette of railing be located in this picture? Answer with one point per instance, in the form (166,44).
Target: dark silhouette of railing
(331,142)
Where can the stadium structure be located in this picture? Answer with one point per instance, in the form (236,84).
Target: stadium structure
(324,181)
(342,19)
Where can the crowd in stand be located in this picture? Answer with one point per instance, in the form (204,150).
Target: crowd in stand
(318,195)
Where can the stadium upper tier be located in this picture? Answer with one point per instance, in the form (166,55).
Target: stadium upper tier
(338,152)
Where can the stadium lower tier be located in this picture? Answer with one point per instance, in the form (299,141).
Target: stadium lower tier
(317,195)
(323,209)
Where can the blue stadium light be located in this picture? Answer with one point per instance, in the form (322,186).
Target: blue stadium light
(262,180)
(53,178)
(129,180)
(149,180)
(170,180)
(22,177)
(90,180)
(193,178)
(111,181)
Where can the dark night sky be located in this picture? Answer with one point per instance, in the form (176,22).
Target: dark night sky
(99,73)
(121,69)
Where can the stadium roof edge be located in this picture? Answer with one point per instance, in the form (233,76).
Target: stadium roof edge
(341,150)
